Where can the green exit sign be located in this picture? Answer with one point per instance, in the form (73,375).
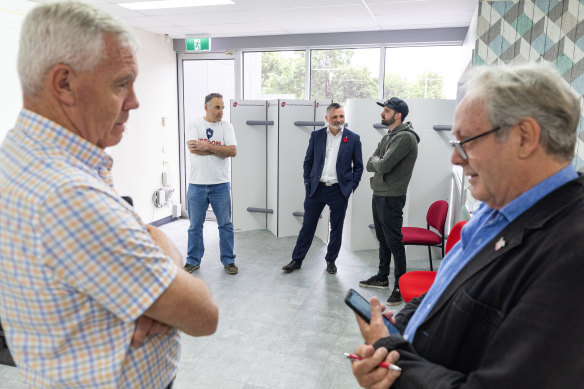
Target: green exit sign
(198,44)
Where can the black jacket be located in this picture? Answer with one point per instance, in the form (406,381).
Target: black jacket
(512,318)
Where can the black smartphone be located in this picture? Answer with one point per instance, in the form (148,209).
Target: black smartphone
(363,309)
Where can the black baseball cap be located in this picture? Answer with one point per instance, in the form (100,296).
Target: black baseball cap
(398,105)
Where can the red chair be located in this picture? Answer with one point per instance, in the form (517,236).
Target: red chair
(436,218)
(416,283)
(454,235)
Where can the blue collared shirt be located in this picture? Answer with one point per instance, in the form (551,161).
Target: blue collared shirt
(480,230)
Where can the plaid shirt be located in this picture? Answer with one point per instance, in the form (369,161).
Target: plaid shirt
(77,266)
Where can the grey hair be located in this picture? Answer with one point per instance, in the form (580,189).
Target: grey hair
(535,90)
(68,32)
(333,106)
(212,96)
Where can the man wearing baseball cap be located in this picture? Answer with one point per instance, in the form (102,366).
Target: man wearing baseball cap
(392,164)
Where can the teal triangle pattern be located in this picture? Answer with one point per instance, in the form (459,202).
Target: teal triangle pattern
(502,6)
(499,45)
(522,24)
(541,42)
(541,28)
(543,5)
(563,63)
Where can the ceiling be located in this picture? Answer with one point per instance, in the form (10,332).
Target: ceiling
(278,17)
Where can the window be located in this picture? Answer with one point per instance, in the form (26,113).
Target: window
(423,72)
(344,74)
(273,75)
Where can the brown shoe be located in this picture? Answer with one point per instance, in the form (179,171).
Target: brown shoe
(191,268)
(231,268)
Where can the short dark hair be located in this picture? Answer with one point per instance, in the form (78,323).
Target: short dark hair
(333,106)
(212,96)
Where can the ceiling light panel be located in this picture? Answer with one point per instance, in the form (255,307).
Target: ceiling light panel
(165,4)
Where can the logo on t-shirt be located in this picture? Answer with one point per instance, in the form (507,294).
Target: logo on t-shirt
(209,133)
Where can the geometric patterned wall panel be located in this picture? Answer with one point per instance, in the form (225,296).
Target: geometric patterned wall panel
(533,30)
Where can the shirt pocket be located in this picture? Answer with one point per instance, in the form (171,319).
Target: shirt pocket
(460,335)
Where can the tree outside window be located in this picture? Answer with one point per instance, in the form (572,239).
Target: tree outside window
(274,75)
(344,74)
(341,74)
(423,72)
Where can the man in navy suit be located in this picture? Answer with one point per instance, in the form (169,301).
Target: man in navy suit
(332,170)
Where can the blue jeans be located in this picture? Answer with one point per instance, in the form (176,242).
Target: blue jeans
(198,199)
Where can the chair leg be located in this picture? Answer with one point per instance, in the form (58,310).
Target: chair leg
(430,255)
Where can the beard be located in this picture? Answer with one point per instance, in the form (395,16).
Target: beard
(388,122)
(337,126)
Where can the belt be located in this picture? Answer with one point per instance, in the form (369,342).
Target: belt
(328,183)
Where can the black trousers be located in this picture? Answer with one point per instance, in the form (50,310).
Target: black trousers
(313,206)
(388,220)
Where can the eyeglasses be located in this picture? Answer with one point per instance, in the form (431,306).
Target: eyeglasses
(457,144)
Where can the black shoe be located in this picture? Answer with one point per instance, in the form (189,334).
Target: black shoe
(374,282)
(395,298)
(293,265)
(331,268)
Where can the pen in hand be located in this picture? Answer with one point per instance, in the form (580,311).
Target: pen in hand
(389,366)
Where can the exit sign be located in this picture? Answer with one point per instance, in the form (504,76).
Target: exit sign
(198,44)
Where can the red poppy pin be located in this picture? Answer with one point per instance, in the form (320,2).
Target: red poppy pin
(345,139)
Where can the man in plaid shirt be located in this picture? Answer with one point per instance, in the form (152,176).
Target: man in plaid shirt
(89,295)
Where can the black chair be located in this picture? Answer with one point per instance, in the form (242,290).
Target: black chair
(128,200)
(5,356)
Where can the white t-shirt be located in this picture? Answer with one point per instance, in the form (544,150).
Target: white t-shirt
(209,169)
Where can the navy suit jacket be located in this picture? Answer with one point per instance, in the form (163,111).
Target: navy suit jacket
(349,161)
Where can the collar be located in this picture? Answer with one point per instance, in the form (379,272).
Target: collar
(46,131)
(398,128)
(527,199)
(340,133)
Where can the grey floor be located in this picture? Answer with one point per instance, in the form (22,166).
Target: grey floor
(275,330)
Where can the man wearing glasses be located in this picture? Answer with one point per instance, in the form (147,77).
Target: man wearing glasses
(506,308)
(392,164)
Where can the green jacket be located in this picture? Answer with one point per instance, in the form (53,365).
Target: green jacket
(393,161)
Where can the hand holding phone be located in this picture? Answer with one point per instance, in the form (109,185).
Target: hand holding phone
(362,308)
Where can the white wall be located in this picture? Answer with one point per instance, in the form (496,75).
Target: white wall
(138,159)
(431,177)
(11,16)
(147,144)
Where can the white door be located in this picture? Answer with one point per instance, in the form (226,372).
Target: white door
(201,74)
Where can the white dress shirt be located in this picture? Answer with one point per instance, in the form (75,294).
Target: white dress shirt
(333,142)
